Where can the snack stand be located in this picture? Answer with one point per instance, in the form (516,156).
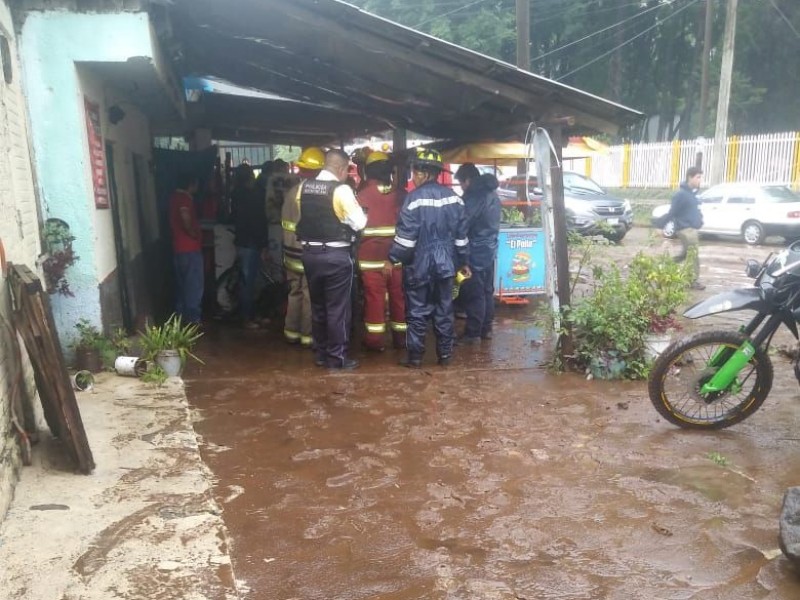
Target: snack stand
(521,266)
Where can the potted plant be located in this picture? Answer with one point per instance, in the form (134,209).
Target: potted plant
(89,347)
(659,286)
(171,344)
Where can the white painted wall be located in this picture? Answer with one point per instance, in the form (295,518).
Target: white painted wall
(128,137)
(19,233)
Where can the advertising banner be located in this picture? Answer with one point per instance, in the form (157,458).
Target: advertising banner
(97,154)
(521,265)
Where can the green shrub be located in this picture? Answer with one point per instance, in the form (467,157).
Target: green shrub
(609,323)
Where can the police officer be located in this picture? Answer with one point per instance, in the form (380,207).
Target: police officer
(329,217)
(431,243)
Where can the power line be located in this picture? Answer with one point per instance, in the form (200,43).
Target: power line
(785,18)
(418,25)
(636,16)
(628,41)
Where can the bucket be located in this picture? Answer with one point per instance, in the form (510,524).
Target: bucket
(82,381)
(130,366)
(170,361)
(656,343)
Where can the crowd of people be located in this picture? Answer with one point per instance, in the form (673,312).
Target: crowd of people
(404,241)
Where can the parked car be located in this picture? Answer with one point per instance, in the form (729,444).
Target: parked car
(751,211)
(590,210)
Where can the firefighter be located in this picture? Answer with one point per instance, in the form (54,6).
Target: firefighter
(380,279)
(330,216)
(297,326)
(431,243)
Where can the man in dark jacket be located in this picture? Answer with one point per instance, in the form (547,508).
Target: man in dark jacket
(431,243)
(483,225)
(685,213)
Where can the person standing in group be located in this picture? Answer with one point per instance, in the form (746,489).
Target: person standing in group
(379,277)
(482,206)
(297,325)
(431,243)
(330,216)
(187,248)
(685,213)
(250,239)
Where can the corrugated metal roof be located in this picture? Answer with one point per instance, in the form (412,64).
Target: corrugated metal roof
(331,53)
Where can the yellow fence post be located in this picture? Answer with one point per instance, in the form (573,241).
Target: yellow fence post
(626,165)
(733,159)
(675,165)
(588,168)
(796,162)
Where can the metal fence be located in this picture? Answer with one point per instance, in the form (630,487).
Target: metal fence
(772,158)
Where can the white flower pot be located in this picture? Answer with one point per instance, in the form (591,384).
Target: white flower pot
(170,361)
(656,343)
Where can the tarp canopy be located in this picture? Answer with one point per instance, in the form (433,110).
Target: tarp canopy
(334,55)
(509,153)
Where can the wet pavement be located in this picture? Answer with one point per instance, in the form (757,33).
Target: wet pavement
(490,479)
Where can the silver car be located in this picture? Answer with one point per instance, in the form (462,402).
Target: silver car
(751,211)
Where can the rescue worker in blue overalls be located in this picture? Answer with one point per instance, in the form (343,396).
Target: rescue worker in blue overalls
(482,205)
(431,243)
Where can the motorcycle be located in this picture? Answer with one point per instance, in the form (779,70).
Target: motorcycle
(715,379)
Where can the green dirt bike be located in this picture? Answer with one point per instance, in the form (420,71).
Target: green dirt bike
(715,379)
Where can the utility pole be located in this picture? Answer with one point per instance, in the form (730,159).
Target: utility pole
(524,34)
(523,54)
(721,131)
(701,121)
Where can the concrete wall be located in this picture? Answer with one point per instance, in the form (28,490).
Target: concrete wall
(53,45)
(19,233)
(132,145)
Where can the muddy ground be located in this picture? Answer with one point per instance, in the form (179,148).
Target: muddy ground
(490,479)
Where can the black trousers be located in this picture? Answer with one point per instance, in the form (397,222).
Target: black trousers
(477,294)
(431,301)
(329,272)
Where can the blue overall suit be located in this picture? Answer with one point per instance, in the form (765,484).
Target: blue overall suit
(431,243)
(483,222)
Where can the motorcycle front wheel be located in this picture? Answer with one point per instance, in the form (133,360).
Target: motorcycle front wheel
(680,372)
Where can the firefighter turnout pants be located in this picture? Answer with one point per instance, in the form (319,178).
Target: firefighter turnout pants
(297,325)
(377,287)
(433,300)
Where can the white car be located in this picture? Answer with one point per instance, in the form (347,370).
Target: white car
(752,211)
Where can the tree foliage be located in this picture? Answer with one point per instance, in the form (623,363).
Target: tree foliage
(646,54)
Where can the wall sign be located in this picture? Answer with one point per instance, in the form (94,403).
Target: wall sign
(97,154)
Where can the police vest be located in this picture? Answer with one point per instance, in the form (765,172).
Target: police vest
(318,221)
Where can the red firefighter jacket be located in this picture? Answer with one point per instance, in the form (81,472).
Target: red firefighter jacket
(382,210)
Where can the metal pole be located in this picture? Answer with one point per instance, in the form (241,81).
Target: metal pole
(721,131)
(701,120)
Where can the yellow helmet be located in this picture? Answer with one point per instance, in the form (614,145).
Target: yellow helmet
(311,158)
(376,156)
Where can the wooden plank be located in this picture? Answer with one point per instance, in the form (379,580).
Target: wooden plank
(34,320)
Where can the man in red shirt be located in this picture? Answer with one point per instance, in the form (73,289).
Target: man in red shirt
(187,249)
(380,279)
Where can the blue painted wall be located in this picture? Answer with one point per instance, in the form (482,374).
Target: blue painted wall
(51,45)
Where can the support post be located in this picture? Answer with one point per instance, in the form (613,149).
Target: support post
(565,345)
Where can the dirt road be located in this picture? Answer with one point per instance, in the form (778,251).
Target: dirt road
(491,479)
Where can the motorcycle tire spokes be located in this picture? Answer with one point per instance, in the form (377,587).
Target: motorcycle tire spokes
(681,371)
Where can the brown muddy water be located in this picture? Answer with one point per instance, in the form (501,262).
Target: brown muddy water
(490,479)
